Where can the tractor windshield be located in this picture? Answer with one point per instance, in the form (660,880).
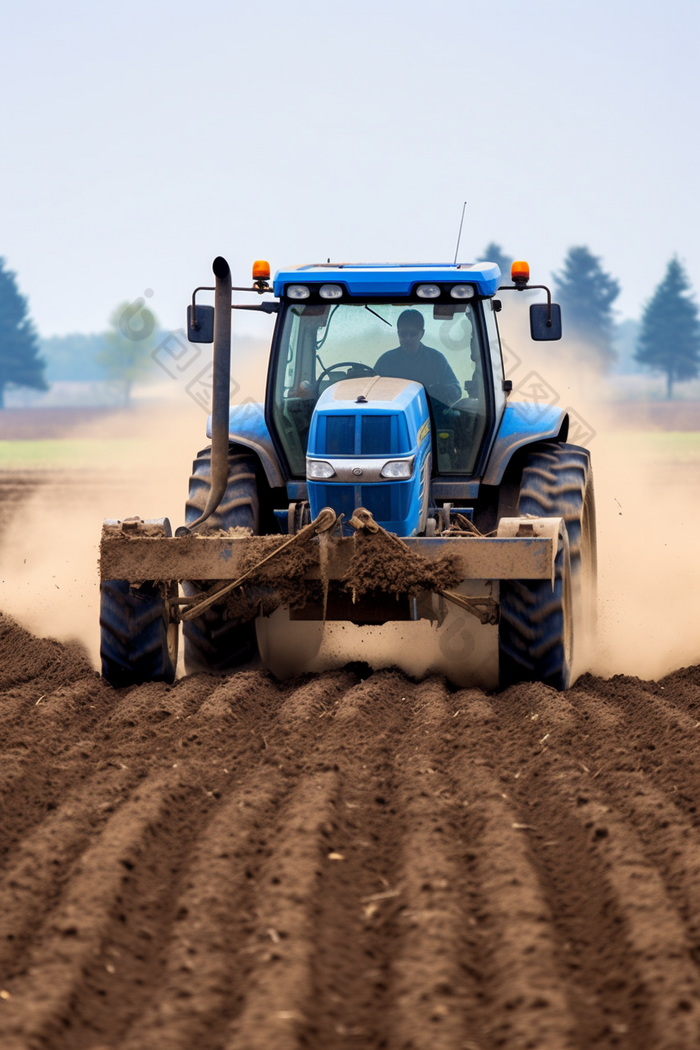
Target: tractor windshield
(436,344)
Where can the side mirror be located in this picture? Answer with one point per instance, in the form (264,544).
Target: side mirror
(540,326)
(203,330)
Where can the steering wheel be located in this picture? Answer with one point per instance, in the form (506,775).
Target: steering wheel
(364,370)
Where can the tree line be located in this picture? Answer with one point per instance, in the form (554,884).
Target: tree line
(668,340)
(669,333)
(120,355)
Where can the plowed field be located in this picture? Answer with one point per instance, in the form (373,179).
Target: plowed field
(349,860)
(345,861)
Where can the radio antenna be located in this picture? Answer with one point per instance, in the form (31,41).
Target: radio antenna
(459,235)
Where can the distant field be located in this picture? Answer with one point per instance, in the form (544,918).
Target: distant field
(670,445)
(40,424)
(65,453)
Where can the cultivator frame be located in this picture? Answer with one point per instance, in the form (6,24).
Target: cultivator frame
(524,548)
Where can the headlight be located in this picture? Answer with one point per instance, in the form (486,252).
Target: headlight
(297,291)
(462,291)
(330,291)
(397,468)
(318,469)
(428,291)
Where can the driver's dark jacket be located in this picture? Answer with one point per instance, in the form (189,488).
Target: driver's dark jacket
(426,366)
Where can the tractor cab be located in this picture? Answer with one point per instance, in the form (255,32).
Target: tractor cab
(433,325)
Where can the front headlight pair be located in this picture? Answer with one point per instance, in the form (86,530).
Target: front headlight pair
(321,470)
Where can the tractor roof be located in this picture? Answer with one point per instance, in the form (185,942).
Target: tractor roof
(382,279)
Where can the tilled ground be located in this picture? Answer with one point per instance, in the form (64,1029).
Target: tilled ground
(345,861)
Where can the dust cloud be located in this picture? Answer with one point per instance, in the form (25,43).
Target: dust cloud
(649,570)
(648,502)
(49,551)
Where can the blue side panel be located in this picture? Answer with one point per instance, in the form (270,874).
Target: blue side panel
(247,427)
(391,278)
(522,424)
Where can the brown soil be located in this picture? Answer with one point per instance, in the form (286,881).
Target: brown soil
(382,564)
(339,861)
(344,860)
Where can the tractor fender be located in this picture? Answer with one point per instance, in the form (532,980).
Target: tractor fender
(523,423)
(247,427)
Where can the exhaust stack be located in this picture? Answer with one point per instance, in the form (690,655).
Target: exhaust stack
(220,394)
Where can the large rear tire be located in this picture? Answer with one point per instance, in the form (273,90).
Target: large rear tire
(213,643)
(556,482)
(138,641)
(535,633)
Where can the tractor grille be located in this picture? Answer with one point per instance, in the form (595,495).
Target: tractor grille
(364,434)
(376,436)
(340,436)
(388,502)
(377,499)
(340,497)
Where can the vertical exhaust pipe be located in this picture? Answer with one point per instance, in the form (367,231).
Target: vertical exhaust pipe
(220,393)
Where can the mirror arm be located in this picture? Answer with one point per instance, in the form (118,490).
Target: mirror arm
(526,288)
(260,287)
(202,288)
(266,308)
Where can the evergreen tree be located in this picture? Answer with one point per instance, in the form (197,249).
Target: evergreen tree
(20,364)
(669,340)
(494,253)
(586,294)
(128,345)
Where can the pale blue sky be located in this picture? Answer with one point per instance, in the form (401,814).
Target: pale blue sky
(142,139)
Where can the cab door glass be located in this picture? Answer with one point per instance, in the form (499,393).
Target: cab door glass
(496,356)
(437,345)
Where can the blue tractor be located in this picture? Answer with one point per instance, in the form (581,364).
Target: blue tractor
(388,503)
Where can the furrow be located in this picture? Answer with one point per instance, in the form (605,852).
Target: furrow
(310,702)
(523,987)
(656,941)
(508,846)
(67,992)
(604,882)
(43,733)
(641,705)
(436,973)
(278,1001)
(684,687)
(669,841)
(76,730)
(651,738)
(30,887)
(214,935)
(354,734)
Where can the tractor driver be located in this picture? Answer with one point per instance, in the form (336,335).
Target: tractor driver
(411,359)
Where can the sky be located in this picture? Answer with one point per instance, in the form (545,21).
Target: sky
(140,140)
